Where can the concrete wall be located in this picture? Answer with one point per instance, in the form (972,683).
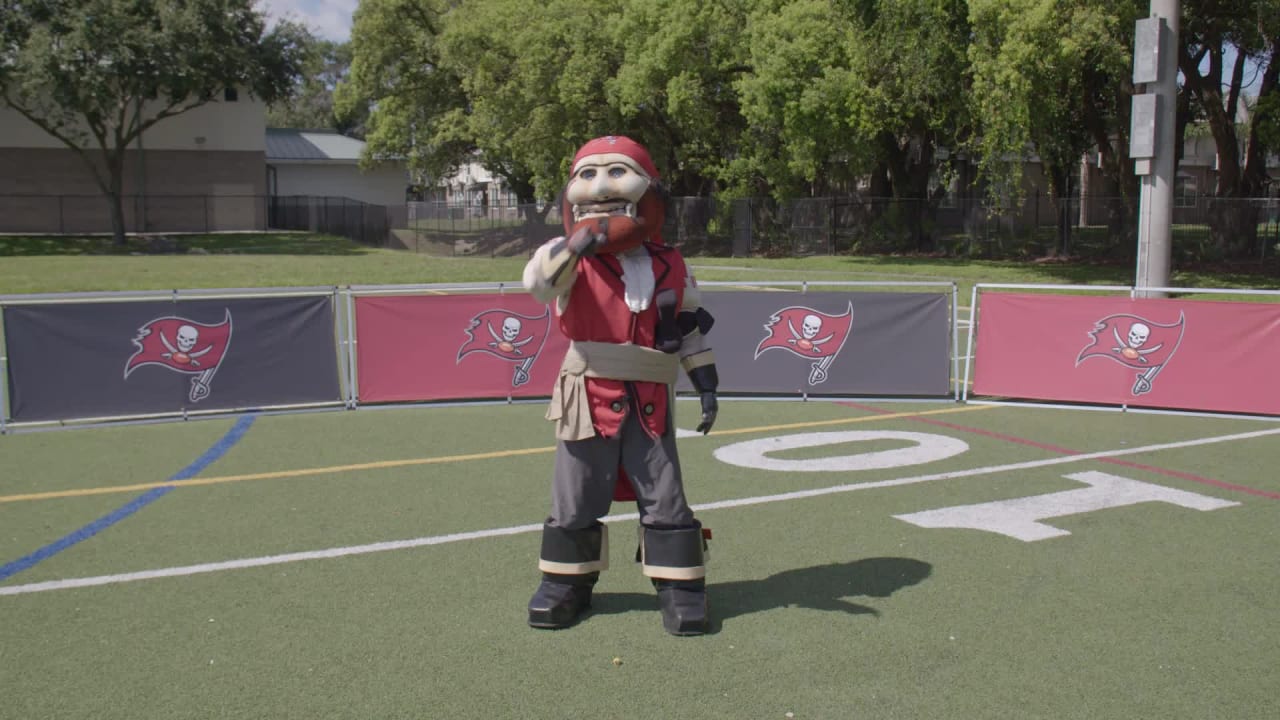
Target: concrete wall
(240,125)
(215,150)
(48,190)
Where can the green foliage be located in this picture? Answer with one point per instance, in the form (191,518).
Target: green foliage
(78,68)
(311,104)
(841,90)
(534,75)
(1048,78)
(396,71)
(676,85)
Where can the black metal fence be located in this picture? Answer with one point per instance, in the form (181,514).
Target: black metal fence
(90,214)
(1205,229)
(1101,227)
(359,221)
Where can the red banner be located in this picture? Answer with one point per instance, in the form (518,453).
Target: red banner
(450,347)
(1168,353)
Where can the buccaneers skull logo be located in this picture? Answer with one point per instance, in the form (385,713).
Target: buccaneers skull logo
(1135,342)
(810,334)
(185,346)
(509,336)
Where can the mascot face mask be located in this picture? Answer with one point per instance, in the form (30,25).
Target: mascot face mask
(612,188)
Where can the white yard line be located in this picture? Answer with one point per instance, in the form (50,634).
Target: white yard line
(523,529)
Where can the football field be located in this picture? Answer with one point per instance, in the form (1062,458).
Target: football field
(884,560)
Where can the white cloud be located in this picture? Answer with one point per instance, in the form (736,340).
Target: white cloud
(328,19)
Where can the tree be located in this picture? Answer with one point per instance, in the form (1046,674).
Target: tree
(96,74)
(311,104)
(520,84)
(1053,77)
(676,81)
(1212,31)
(416,103)
(796,99)
(536,77)
(844,90)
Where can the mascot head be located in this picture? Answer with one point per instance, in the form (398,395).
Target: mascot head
(613,187)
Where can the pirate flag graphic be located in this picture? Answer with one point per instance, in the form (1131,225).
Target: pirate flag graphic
(810,334)
(184,346)
(1137,343)
(509,336)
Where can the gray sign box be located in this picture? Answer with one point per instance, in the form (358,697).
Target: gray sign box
(1142,132)
(1146,49)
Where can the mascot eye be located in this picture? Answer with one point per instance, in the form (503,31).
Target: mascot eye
(587,173)
(617,171)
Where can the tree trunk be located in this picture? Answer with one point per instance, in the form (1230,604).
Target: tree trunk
(117,217)
(115,193)
(1233,228)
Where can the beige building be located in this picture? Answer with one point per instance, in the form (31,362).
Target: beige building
(200,171)
(326,164)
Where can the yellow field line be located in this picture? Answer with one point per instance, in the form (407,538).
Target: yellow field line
(384,464)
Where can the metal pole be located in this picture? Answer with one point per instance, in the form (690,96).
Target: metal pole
(973,330)
(4,378)
(1155,206)
(955,342)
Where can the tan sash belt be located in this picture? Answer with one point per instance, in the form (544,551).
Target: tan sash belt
(569,406)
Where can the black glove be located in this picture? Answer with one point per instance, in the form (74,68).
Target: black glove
(586,239)
(709,409)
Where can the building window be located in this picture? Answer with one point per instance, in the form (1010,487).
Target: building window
(1184,191)
(230,95)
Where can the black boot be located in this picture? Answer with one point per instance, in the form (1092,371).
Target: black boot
(673,557)
(571,561)
(560,600)
(684,606)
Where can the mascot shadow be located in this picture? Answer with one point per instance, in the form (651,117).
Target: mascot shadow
(824,587)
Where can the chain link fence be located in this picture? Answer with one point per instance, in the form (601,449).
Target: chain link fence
(90,214)
(1205,229)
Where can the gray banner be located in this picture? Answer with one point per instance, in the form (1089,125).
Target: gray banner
(831,343)
(85,360)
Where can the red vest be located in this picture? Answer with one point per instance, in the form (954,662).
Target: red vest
(596,310)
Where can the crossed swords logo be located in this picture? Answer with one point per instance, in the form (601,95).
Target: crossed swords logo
(504,329)
(507,342)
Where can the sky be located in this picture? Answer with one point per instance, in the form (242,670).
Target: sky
(327,19)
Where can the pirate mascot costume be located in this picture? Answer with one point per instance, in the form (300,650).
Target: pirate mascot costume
(630,308)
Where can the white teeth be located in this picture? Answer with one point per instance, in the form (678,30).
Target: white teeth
(583,212)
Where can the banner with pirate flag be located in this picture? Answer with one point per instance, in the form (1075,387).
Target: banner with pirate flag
(432,347)
(1164,353)
(831,343)
(83,360)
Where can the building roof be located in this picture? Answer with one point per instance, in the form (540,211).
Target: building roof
(290,144)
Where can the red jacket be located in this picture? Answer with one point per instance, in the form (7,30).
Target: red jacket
(596,310)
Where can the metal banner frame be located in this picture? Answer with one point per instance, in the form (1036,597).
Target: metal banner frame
(342,299)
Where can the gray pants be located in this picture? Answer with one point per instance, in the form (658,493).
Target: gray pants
(587,470)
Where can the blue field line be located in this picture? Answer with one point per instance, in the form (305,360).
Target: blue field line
(218,449)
